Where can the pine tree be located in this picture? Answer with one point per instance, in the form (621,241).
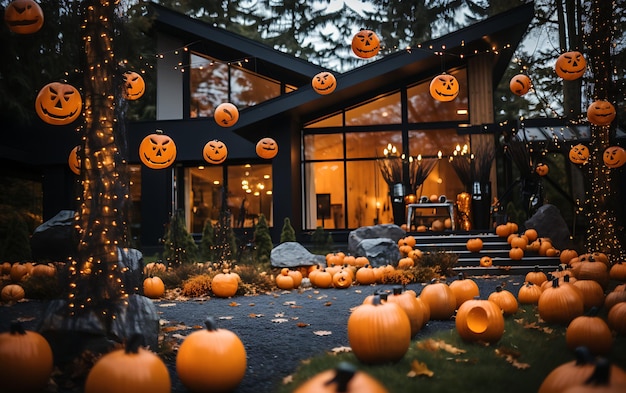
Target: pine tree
(288,234)
(207,243)
(262,240)
(179,245)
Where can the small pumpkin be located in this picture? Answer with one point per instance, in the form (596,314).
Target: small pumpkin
(542,169)
(480,320)
(618,271)
(134,85)
(579,154)
(226,114)
(601,113)
(342,279)
(464,289)
(520,84)
(474,245)
(343,378)
(365,44)
(296,276)
(589,331)
(520,241)
(322,279)
(58,103)
(440,299)
(12,293)
(73,160)
(215,152)
(18,272)
(614,157)
(324,83)
(567,255)
(485,261)
(24,16)
(406,263)
(211,359)
(505,299)
(570,65)
(529,293)
(516,253)
(444,87)
(267,148)
(536,276)
(365,275)
(225,284)
(157,150)
(44,270)
(153,287)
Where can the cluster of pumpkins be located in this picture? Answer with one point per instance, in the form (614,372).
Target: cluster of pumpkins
(15,274)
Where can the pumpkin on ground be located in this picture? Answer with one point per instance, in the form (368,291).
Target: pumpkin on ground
(408,302)
(342,279)
(440,299)
(618,271)
(12,293)
(536,276)
(153,287)
(589,331)
(365,275)
(284,280)
(211,360)
(117,371)
(25,360)
(344,378)
(464,289)
(600,381)
(617,318)
(379,332)
(560,303)
(505,299)
(474,245)
(225,284)
(480,320)
(529,293)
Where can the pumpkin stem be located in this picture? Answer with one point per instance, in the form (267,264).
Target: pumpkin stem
(17,328)
(499,288)
(566,278)
(133,343)
(583,356)
(555,283)
(593,311)
(376,300)
(210,323)
(344,373)
(601,374)
(397,290)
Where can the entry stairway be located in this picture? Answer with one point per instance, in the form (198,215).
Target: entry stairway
(493,246)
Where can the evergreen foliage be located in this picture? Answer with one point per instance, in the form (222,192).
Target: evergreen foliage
(262,240)
(179,246)
(288,234)
(207,242)
(322,241)
(14,236)
(224,236)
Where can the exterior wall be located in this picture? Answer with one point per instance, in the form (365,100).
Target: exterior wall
(169,79)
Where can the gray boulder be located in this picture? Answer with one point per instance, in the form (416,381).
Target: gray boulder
(548,222)
(379,251)
(55,239)
(293,254)
(388,231)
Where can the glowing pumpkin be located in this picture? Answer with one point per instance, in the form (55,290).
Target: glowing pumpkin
(579,154)
(365,44)
(23,17)
(614,156)
(520,84)
(570,65)
(74,160)
(444,87)
(226,114)
(214,152)
(157,151)
(134,85)
(601,113)
(267,148)
(58,103)
(324,83)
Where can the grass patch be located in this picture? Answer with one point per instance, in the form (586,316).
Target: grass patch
(481,368)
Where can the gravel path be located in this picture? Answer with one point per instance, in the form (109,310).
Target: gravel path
(278,330)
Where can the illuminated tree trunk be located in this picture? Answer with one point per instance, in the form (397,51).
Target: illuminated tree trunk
(96,276)
(602,234)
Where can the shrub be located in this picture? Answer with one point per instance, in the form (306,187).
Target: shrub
(196,286)
(288,234)
(262,240)
(443,260)
(207,242)
(179,247)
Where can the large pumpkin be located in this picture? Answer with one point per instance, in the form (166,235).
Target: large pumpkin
(520,84)
(440,300)
(480,320)
(601,113)
(589,331)
(560,303)
(134,85)
(267,148)
(344,378)
(324,83)
(464,289)
(157,151)
(444,87)
(570,65)
(579,154)
(614,156)
(12,293)
(130,370)
(58,103)
(23,16)
(211,360)
(505,299)
(25,360)
(215,152)
(408,302)
(225,284)
(226,114)
(365,44)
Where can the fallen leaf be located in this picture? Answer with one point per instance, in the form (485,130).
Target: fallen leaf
(25,319)
(167,305)
(279,315)
(234,304)
(328,304)
(418,368)
(337,350)
(288,379)
(174,328)
(290,303)
(280,320)
(435,345)
(302,324)
(228,317)
(322,333)
(252,315)
(511,355)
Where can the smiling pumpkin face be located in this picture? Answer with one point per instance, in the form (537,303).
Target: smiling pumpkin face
(226,114)
(520,84)
(58,103)
(157,151)
(23,16)
(215,152)
(601,113)
(324,83)
(134,85)
(365,44)
(570,65)
(267,148)
(579,154)
(614,157)
(444,87)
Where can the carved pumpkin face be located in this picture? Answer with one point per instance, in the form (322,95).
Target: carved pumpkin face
(520,84)
(542,169)
(266,148)
(324,83)
(23,16)
(614,156)
(570,65)
(74,160)
(157,151)
(215,152)
(444,87)
(579,154)
(601,113)
(226,114)
(134,85)
(365,44)
(58,103)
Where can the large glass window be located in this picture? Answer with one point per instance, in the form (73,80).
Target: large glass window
(325,194)
(382,110)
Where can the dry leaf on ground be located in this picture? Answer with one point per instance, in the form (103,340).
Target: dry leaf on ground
(280,320)
(511,356)
(322,333)
(337,350)
(435,345)
(234,304)
(418,368)
(252,315)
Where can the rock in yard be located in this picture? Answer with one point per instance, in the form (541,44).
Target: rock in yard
(294,254)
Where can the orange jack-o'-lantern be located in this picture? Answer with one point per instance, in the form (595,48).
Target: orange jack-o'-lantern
(134,85)
(542,169)
(601,113)
(74,160)
(23,16)
(365,44)
(215,152)
(324,83)
(444,87)
(58,103)
(226,114)
(520,84)
(579,154)
(267,148)
(157,151)
(570,65)
(614,156)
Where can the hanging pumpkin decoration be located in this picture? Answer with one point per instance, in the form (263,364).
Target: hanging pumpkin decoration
(480,320)
(614,157)
(73,161)
(153,287)
(267,148)
(344,378)
(25,360)
(225,284)
(134,85)
(601,113)
(444,87)
(157,151)
(440,300)
(520,84)
(58,103)
(226,114)
(542,169)
(570,65)
(211,359)
(113,372)
(589,331)
(24,16)
(505,299)
(379,332)
(324,83)
(579,154)
(215,152)
(365,44)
